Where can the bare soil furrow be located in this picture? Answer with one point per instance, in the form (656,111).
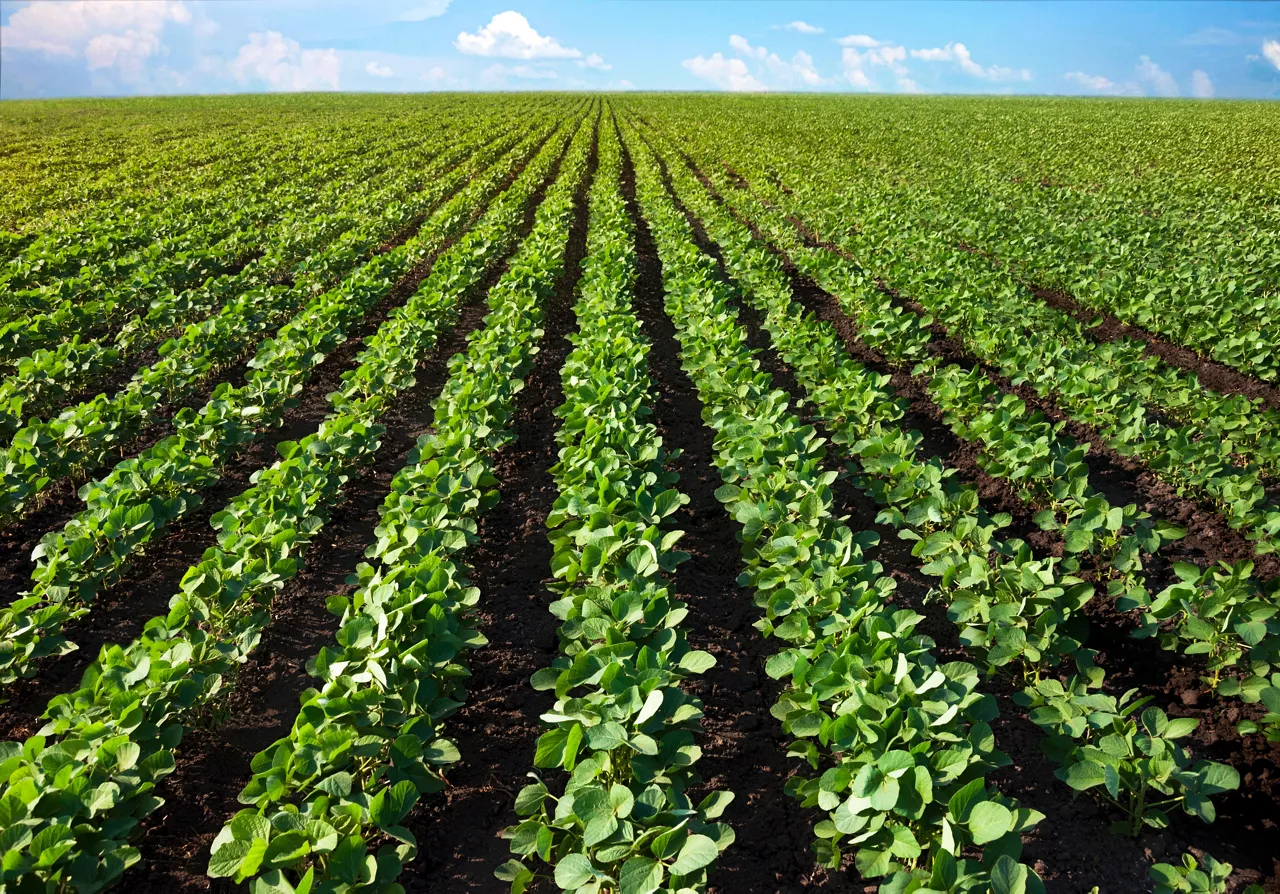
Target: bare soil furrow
(213,765)
(119,614)
(743,749)
(496,729)
(1211,373)
(1245,817)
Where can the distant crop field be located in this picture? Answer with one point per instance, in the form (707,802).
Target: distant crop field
(640,493)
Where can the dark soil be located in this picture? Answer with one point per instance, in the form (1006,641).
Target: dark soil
(1211,373)
(120,613)
(59,501)
(213,764)
(497,727)
(1247,819)
(744,750)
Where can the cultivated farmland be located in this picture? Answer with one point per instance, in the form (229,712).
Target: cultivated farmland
(639,493)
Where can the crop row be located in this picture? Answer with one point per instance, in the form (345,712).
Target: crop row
(77,789)
(134,227)
(143,495)
(1210,446)
(368,744)
(84,437)
(1014,610)
(900,743)
(609,807)
(1183,249)
(43,381)
(70,347)
(1223,614)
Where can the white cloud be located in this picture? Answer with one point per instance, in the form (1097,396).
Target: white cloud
(907,85)
(941,54)
(1271,50)
(435,75)
(862,51)
(118,34)
(1159,79)
(1093,82)
(499,72)
(596,61)
(743,46)
(380,71)
(802,65)
(206,27)
(858,40)
(429,10)
(799,27)
(127,52)
(959,53)
(858,78)
(284,65)
(799,70)
(727,74)
(1201,85)
(1104,85)
(510,36)
(886,55)
(1213,36)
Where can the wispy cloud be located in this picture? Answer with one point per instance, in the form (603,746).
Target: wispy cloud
(863,54)
(1160,80)
(959,53)
(596,61)
(799,27)
(429,10)
(282,64)
(1271,52)
(379,70)
(799,70)
(1213,36)
(727,74)
(1092,82)
(499,72)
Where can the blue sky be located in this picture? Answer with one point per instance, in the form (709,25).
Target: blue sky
(128,47)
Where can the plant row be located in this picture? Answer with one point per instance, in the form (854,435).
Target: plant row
(1020,614)
(83,438)
(78,358)
(137,236)
(76,791)
(609,807)
(1221,613)
(327,802)
(899,743)
(143,495)
(1109,386)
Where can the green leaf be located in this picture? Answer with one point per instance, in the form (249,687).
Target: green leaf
(988,821)
(1083,775)
(392,804)
(574,871)
(640,875)
(698,851)
(697,662)
(226,859)
(248,825)
(714,804)
(1009,877)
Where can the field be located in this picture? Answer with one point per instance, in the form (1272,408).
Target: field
(640,493)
